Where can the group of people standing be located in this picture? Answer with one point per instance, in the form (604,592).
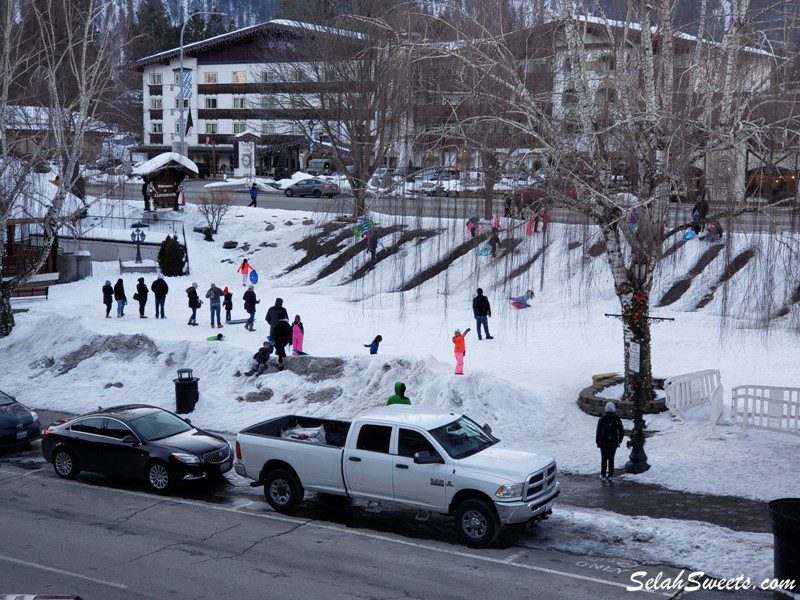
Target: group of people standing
(116,293)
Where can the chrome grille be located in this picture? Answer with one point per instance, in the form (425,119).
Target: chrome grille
(540,481)
(219,455)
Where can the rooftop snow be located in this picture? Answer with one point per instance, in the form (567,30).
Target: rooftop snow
(161,161)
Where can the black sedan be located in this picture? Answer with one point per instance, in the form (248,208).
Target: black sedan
(136,441)
(18,424)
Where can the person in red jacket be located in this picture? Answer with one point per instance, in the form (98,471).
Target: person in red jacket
(460,349)
(245,269)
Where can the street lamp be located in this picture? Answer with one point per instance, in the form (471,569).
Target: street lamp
(138,236)
(181,122)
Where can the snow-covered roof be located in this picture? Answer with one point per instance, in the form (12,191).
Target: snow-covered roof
(37,197)
(245,133)
(317,28)
(37,118)
(161,161)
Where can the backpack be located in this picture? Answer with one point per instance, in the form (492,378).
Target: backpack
(609,435)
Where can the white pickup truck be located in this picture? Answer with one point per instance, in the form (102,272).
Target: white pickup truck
(429,460)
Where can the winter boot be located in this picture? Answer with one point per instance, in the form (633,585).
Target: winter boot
(219,326)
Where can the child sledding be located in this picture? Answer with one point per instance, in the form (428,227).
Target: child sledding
(522,301)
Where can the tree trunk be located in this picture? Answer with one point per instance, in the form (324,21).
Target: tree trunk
(359,203)
(6,315)
(636,329)
(488,197)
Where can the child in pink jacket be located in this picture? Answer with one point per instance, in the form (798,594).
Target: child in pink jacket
(297,337)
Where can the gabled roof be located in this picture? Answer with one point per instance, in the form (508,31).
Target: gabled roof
(243,33)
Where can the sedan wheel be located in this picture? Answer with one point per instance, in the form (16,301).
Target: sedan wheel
(317,193)
(159,477)
(64,464)
(289,193)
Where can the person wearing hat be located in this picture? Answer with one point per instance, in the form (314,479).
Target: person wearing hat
(250,302)
(141,296)
(227,304)
(609,436)
(108,297)
(253,195)
(460,349)
(160,290)
(194,302)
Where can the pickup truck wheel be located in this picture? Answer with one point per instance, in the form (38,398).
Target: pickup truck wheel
(282,491)
(476,522)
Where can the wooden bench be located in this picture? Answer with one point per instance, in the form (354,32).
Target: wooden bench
(32,292)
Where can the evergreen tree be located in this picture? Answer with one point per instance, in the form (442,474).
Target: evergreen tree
(202,27)
(153,30)
(171,257)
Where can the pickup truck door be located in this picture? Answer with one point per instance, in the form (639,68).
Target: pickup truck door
(368,465)
(418,485)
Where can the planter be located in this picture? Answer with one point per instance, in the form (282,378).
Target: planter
(591,402)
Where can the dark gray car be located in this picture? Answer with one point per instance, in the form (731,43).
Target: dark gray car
(313,187)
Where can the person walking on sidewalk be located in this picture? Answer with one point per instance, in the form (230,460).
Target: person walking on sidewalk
(482,311)
(194,302)
(120,297)
(245,269)
(227,304)
(460,350)
(609,436)
(108,298)
(399,396)
(253,195)
(250,302)
(160,290)
(214,295)
(141,296)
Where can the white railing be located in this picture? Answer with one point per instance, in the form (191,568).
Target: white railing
(766,407)
(690,390)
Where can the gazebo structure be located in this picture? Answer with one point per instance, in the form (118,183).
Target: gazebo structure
(163,176)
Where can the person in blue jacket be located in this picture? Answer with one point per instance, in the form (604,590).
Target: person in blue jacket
(373,347)
(253,195)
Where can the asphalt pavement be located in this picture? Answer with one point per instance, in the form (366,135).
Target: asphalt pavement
(111,539)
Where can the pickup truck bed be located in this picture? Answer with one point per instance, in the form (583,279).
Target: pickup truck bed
(335,431)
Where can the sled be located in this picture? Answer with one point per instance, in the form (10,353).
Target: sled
(236,322)
(253,277)
(518,304)
(485,249)
(690,234)
(299,353)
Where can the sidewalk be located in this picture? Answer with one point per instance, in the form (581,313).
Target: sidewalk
(634,499)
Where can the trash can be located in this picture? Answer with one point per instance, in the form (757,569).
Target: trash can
(186,391)
(784,516)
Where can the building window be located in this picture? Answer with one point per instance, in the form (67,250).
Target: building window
(239,103)
(296,102)
(299,75)
(268,102)
(178,102)
(156,102)
(269,76)
(294,129)
(210,77)
(156,78)
(267,128)
(239,77)
(211,103)
(212,127)
(157,127)
(239,127)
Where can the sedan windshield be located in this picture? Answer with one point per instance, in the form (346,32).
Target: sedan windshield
(5,399)
(463,438)
(159,425)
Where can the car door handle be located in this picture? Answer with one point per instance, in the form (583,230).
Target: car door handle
(399,466)
(355,459)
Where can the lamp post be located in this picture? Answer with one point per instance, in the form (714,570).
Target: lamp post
(181,121)
(138,236)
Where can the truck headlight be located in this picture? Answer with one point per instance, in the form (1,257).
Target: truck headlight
(509,491)
(189,459)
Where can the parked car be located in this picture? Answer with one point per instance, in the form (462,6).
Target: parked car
(136,441)
(429,460)
(18,424)
(313,187)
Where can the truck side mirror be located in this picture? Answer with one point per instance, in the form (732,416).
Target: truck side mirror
(487,429)
(425,458)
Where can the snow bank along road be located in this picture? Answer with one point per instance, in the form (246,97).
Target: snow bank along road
(102,538)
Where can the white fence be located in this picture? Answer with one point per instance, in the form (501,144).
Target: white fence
(687,391)
(766,407)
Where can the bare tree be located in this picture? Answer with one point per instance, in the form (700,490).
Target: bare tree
(635,108)
(59,60)
(214,205)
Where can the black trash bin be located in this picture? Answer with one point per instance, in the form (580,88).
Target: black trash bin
(186,391)
(784,516)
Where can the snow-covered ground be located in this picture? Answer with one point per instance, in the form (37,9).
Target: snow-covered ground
(65,355)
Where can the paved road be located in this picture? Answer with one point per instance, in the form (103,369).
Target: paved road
(109,539)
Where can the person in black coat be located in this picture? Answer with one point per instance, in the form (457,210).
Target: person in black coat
(194,302)
(482,310)
(227,304)
(281,336)
(276,313)
(699,214)
(260,360)
(108,298)
(141,296)
(608,438)
(250,302)
(160,290)
(119,296)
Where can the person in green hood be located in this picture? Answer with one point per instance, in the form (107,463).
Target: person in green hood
(399,396)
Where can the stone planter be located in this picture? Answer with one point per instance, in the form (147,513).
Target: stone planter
(590,401)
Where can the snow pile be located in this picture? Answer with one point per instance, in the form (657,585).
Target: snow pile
(717,551)
(243,183)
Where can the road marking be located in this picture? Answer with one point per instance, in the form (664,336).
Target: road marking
(62,572)
(365,534)
(514,557)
